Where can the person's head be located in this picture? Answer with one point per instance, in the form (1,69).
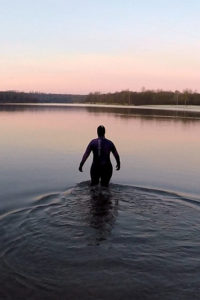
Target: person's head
(101,131)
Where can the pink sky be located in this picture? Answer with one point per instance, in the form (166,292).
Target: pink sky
(77,73)
(86,46)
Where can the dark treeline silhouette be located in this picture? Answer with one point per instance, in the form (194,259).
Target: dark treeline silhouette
(22,97)
(146,97)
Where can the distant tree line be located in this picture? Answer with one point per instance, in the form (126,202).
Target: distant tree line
(22,97)
(146,97)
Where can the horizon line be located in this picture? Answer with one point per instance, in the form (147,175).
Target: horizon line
(143,89)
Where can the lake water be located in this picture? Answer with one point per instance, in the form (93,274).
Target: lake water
(60,239)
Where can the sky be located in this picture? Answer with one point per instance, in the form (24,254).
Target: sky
(83,46)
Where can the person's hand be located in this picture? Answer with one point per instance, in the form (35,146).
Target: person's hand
(80,168)
(118,167)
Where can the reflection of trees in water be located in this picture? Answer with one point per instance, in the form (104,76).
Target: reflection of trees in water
(38,108)
(103,211)
(118,112)
(148,114)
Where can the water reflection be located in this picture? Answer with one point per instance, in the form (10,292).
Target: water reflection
(38,108)
(120,112)
(124,113)
(49,249)
(41,148)
(103,211)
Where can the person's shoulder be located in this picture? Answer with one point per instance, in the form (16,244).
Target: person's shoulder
(94,141)
(109,142)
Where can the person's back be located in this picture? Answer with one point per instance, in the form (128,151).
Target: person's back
(101,167)
(101,148)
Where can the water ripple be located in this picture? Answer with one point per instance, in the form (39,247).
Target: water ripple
(144,243)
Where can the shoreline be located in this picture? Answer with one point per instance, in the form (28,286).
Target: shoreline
(182,108)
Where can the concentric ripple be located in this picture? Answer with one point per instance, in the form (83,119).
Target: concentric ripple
(93,243)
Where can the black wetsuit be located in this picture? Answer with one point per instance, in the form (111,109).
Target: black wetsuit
(101,166)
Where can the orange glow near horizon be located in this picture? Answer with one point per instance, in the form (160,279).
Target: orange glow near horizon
(104,73)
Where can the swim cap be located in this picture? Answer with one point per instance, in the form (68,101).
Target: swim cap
(101,130)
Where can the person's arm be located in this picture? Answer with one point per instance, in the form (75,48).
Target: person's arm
(116,156)
(85,156)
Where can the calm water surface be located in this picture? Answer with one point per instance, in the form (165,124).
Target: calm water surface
(60,239)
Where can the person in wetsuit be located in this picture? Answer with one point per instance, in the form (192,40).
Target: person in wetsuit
(101,168)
